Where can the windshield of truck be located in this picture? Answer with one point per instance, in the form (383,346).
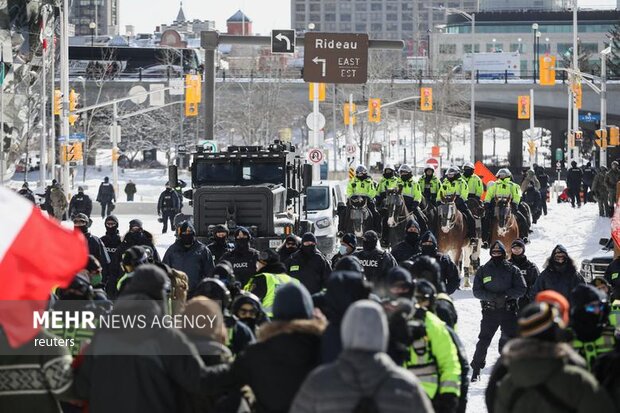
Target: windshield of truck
(317,198)
(233,172)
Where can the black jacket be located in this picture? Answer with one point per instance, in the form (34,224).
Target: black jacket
(532,197)
(276,366)
(80,203)
(404,250)
(112,242)
(449,271)
(240,335)
(218,250)
(588,175)
(106,193)
(243,262)
(573,178)
(139,378)
(130,188)
(195,261)
(168,202)
(530,274)
(543,178)
(144,239)
(497,282)
(343,289)
(27,193)
(311,270)
(560,280)
(97,249)
(376,264)
(285,253)
(612,275)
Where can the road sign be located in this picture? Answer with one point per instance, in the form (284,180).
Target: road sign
(182,148)
(77,137)
(316,155)
(310,121)
(282,41)
(158,98)
(433,163)
(558,165)
(590,117)
(335,57)
(351,149)
(138,95)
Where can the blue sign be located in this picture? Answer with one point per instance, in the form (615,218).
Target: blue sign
(590,117)
(79,137)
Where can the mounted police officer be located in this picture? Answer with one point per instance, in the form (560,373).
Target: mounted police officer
(475,186)
(412,194)
(429,185)
(363,185)
(389,180)
(504,187)
(455,184)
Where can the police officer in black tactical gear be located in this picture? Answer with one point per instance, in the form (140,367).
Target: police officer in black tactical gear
(376,262)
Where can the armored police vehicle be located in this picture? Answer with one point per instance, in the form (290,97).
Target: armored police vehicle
(256,187)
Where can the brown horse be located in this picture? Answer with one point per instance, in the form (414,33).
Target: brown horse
(451,229)
(504,225)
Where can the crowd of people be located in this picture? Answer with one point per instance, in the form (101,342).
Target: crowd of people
(368,330)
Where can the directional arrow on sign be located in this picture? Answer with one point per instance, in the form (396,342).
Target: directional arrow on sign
(316,61)
(282,37)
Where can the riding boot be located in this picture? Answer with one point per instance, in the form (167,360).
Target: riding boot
(471,225)
(421,220)
(523,229)
(486,231)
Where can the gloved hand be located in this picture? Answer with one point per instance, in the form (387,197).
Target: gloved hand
(446,403)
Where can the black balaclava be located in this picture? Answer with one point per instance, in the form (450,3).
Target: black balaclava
(497,245)
(519,259)
(468,172)
(558,265)
(308,250)
(388,174)
(412,237)
(114,229)
(430,250)
(370,240)
(242,244)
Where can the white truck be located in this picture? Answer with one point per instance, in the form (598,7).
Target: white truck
(494,65)
(322,200)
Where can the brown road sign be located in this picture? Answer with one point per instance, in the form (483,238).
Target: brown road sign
(335,57)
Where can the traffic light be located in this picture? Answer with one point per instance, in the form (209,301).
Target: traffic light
(57,102)
(192,94)
(614,136)
(77,151)
(577,94)
(73,102)
(546,76)
(523,110)
(374,110)
(426,99)
(321,91)
(115,154)
(349,114)
(601,138)
(531,147)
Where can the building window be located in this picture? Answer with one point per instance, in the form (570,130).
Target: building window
(360,27)
(345,17)
(300,17)
(315,18)
(330,17)
(315,7)
(330,26)
(329,7)
(345,6)
(467,48)
(588,48)
(406,17)
(376,6)
(376,27)
(523,67)
(563,48)
(391,27)
(361,17)
(406,7)
(300,7)
(361,7)
(516,47)
(447,49)
(494,47)
(391,7)
(391,17)
(407,27)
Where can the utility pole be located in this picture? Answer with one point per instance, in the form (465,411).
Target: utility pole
(603,125)
(316,168)
(52,160)
(64,87)
(334,127)
(531,124)
(576,78)
(43,140)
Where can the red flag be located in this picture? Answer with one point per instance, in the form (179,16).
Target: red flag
(615,224)
(36,254)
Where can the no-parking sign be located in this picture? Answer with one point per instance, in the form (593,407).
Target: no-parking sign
(316,155)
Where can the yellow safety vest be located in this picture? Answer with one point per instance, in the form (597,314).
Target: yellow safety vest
(274,283)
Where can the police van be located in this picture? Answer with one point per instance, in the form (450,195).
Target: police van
(322,202)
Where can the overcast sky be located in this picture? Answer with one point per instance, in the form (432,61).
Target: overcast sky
(265,14)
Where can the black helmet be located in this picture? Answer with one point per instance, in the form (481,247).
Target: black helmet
(214,289)
(134,257)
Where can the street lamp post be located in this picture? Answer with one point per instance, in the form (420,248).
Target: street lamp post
(538,50)
(92,26)
(535,28)
(604,55)
(472,114)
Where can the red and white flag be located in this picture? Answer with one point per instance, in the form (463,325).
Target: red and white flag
(36,254)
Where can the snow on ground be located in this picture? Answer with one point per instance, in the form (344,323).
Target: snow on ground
(578,229)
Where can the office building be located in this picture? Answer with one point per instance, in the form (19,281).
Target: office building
(104,13)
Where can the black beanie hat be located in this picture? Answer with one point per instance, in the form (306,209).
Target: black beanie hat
(292,302)
(350,240)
